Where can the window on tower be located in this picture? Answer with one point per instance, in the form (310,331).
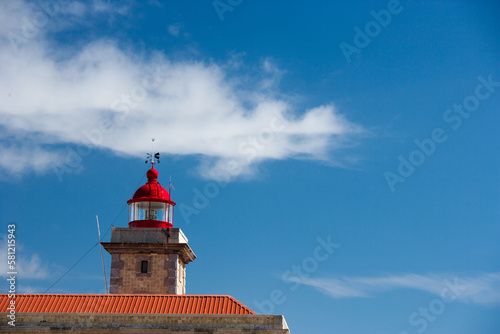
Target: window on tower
(144,267)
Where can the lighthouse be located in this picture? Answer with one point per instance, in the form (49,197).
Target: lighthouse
(150,255)
(151,205)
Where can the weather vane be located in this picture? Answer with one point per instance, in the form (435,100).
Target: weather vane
(153,157)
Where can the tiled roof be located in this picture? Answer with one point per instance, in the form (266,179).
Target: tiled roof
(156,304)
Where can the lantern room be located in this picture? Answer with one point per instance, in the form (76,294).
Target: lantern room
(151,205)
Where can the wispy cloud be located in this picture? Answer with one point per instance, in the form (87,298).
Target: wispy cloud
(52,95)
(480,289)
(174,29)
(110,7)
(27,265)
(32,268)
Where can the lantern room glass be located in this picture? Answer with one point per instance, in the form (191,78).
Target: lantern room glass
(149,210)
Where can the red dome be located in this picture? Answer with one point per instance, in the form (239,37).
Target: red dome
(152,190)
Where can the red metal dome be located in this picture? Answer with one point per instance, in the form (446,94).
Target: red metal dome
(151,190)
(151,205)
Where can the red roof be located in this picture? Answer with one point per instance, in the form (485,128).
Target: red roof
(152,190)
(156,304)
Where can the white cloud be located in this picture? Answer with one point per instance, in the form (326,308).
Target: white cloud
(103,96)
(174,29)
(27,266)
(480,289)
(32,268)
(76,8)
(31,158)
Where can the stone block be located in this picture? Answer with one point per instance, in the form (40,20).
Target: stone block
(169,281)
(117,264)
(116,281)
(169,265)
(115,272)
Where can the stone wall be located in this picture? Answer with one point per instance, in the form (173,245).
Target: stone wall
(145,323)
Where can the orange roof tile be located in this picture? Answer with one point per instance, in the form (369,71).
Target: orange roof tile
(157,304)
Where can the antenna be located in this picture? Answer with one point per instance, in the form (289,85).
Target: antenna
(170,186)
(102,258)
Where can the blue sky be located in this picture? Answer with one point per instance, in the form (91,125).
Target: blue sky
(334,163)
